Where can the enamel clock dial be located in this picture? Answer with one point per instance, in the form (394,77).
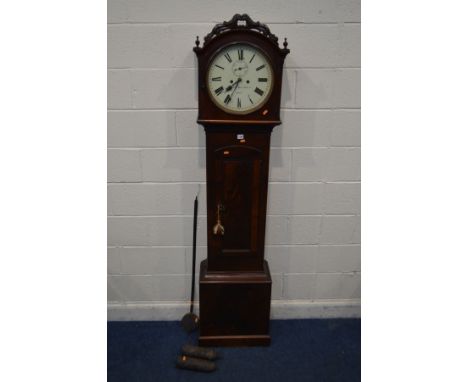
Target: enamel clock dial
(240,79)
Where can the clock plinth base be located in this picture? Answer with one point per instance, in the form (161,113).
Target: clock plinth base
(234,307)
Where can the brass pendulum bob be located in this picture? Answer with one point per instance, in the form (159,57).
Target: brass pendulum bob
(218,229)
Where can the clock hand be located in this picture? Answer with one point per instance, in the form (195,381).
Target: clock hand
(230,86)
(236,85)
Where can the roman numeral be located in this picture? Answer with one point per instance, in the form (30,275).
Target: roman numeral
(239,103)
(227,99)
(259,80)
(260,67)
(219,90)
(219,66)
(240,53)
(228,57)
(259,91)
(250,99)
(252,58)
(219,79)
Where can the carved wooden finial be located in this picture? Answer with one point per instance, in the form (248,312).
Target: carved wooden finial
(285,43)
(240,22)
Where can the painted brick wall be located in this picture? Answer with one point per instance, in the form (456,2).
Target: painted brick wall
(156,157)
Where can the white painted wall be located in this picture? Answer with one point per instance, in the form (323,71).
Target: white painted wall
(157,160)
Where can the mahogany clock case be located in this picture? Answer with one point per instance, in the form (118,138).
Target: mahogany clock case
(234,308)
(237,179)
(235,281)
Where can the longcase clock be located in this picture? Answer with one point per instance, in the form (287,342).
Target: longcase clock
(240,67)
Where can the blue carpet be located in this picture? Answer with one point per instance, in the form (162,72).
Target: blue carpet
(301,350)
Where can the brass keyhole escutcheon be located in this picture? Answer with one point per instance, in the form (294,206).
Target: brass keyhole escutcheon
(218,229)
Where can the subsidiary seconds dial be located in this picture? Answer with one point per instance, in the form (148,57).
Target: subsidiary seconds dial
(240,79)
